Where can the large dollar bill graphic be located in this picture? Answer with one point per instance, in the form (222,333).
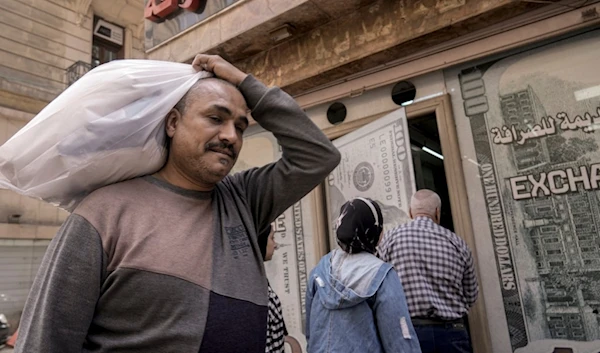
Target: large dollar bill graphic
(376,163)
(533,119)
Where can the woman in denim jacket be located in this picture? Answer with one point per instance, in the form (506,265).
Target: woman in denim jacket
(355,301)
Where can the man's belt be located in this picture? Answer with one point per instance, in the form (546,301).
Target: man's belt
(430,321)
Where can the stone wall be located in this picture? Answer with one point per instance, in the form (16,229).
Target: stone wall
(39,40)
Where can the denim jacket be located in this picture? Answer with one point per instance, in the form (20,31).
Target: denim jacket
(355,303)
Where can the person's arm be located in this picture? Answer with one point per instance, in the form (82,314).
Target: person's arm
(469,281)
(395,329)
(307,154)
(61,304)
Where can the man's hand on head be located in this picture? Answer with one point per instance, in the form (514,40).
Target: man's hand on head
(219,67)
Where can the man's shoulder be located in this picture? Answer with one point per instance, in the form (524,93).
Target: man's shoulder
(404,228)
(393,235)
(422,226)
(454,239)
(234,185)
(125,188)
(234,181)
(443,230)
(111,195)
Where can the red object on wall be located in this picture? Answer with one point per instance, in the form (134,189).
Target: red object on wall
(156,11)
(148,12)
(164,8)
(190,5)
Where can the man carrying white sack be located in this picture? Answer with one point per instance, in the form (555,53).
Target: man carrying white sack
(170,262)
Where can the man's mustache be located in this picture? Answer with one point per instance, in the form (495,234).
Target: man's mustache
(221,147)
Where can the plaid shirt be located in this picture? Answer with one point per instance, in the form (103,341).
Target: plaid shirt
(435,267)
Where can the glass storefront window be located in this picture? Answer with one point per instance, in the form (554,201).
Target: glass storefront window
(103,52)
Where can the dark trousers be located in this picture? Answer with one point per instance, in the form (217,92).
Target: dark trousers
(443,337)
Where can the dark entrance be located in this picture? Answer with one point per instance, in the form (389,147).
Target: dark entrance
(428,162)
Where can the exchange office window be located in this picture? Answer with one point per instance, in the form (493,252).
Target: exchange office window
(107,44)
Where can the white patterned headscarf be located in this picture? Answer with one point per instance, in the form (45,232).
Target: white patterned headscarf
(359,226)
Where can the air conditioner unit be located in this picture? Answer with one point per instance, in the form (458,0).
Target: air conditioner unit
(109,31)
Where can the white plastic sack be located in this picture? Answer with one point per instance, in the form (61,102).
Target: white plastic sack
(107,127)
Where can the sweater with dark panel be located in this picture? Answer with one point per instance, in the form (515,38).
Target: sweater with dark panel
(144,266)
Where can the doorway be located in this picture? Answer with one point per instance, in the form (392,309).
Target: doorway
(428,162)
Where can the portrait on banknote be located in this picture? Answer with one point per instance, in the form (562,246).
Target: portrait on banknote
(529,131)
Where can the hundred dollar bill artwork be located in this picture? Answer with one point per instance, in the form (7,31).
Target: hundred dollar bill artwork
(294,233)
(534,120)
(376,163)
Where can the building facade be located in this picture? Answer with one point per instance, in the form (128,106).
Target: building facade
(45,46)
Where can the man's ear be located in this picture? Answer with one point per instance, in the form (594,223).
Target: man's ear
(410,213)
(173,119)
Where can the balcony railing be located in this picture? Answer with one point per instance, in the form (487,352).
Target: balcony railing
(75,71)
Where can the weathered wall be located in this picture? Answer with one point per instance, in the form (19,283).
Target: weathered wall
(372,36)
(222,27)
(39,40)
(243,29)
(332,38)
(38,220)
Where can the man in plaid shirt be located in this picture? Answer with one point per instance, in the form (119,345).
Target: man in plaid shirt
(436,270)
